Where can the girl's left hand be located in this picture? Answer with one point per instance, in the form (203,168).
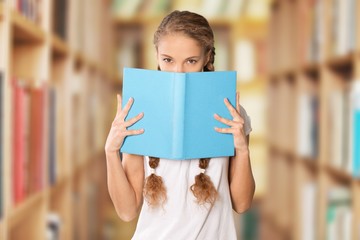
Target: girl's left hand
(236,125)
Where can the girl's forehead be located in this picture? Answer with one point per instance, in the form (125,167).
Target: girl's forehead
(176,42)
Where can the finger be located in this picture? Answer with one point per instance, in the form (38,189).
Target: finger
(231,109)
(126,109)
(119,102)
(225,130)
(238,101)
(134,132)
(133,120)
(224,120)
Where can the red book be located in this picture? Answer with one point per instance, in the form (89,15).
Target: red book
(20,99)
(36,150)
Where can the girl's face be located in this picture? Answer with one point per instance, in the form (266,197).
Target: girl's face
(179,53)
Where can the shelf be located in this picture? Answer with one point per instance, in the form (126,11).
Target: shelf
(59,47)
(339,174)
(311,68)
(25,30)
(341,63)
(26,208)
(310,163)
(283,73)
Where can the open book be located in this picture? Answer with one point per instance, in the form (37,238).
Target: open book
(179,113)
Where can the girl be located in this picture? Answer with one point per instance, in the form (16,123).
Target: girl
(190,199)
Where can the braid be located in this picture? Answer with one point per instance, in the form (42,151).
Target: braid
(209,67)
(203,188)
(154,189)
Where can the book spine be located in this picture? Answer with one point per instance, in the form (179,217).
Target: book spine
(178,117)
(356,128)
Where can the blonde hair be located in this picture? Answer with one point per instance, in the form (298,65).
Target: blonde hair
(196,27)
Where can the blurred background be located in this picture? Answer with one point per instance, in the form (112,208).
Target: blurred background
(298,68)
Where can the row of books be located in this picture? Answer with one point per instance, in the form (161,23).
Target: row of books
(342,19)
(311,18)
(34,139)
(214,8)
(28,141)
(31,9)
(338,212)
(344,122)
(343,26)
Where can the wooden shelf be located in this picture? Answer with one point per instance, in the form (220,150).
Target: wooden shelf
(339,174)
(342,63)
(58,84)
(25,209)
(309,36)
(59,46)
(26,30)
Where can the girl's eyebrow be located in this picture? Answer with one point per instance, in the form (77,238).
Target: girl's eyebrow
(165,55)
(193,57)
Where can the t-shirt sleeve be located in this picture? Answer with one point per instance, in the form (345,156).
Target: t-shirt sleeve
(247,124)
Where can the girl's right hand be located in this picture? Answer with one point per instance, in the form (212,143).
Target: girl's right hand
(119,130)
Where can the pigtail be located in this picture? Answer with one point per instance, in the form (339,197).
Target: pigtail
(209,67)
(154,189)
(203,188)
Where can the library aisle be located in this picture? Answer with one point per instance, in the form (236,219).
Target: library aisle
(298,71)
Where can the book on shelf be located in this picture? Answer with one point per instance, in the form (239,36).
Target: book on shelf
(1,144)
(53,226)
(309,194)
(343,19)
(308,125)
(28,140)
(60,10)
(339,213)
(36,138)
(355,118)
(31,9)
(336,118)
(179,113)
(52,150)
(20,140)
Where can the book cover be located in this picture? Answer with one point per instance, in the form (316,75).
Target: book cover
(179,113)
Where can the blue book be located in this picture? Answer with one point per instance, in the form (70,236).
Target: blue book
(179,113)
(355,105)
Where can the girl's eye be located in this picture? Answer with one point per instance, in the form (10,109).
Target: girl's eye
(192,61)
(167,60)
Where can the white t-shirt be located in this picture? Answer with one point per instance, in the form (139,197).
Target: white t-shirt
(181,217)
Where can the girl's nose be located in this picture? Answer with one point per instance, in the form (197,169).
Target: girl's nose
(179,68)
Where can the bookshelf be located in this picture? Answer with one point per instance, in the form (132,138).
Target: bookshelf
(54,82)
(313,191)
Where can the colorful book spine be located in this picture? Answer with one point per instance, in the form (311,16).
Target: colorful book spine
(19,141)
(355,102)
